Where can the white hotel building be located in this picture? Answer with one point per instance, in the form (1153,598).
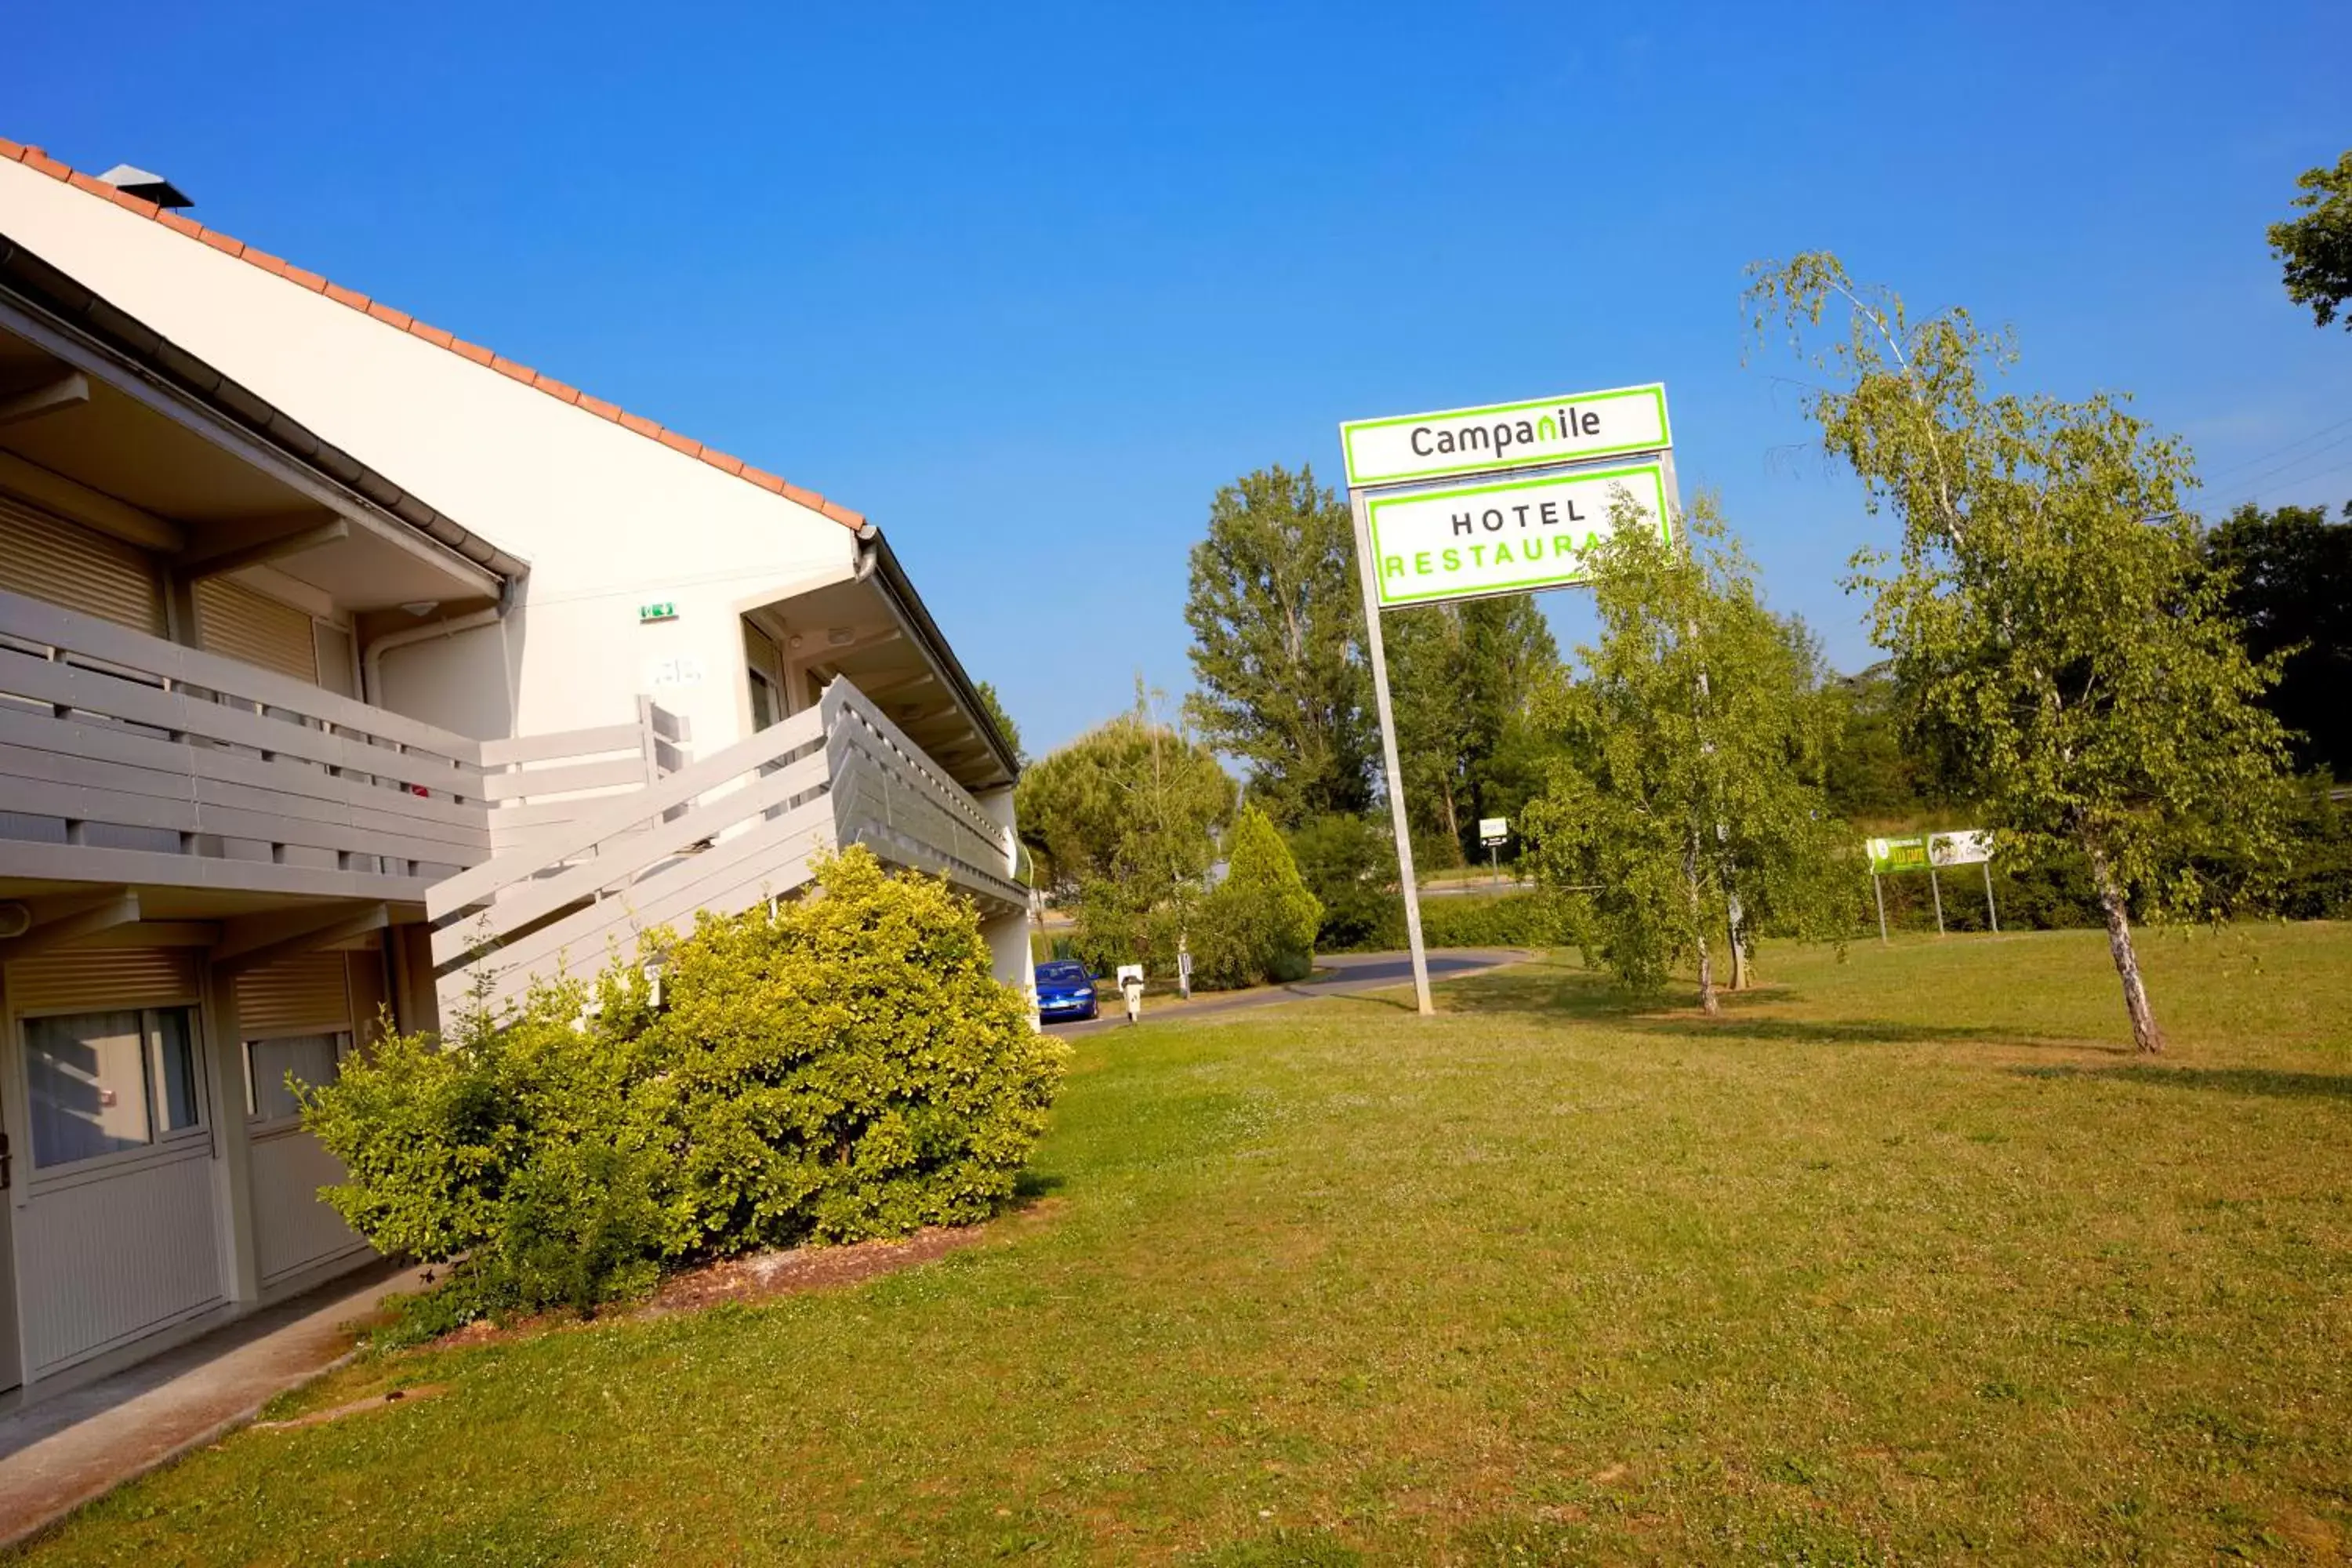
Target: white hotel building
(330,644)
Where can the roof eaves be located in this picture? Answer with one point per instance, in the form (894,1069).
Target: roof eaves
(34,158)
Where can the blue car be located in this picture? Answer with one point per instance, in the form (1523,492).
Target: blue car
(1064,990)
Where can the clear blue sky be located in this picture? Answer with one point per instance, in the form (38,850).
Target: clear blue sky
(1026,284)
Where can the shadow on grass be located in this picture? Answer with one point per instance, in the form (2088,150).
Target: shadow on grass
(2266,1082)
(1030,1187)
(1590,997)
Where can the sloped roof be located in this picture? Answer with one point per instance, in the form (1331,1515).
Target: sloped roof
(34,158)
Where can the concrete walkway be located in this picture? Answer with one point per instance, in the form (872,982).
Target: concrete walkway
(1350,973)
(59,1454)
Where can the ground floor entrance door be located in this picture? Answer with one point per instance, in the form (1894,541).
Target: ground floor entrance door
(12,1367)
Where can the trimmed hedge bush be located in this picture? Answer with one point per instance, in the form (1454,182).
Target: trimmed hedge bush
(847,1069)
(1469,919)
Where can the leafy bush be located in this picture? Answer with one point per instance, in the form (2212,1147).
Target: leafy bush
(848,1068)
(851,1069)
(1349,864)
(1259,923)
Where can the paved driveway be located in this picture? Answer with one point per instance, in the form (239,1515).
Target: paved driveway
(1350,973)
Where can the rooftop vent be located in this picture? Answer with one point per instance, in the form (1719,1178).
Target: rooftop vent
(146,186)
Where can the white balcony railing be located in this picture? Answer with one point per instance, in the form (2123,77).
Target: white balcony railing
(126,759)
(722,834)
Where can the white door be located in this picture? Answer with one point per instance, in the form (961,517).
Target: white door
(12,1367)
(295,1016)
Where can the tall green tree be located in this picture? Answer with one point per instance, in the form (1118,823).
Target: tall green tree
(1003,722)
(2049,622)
(2290,577)
(2316,250)
(1878,772)
(1124,822)
(1686,787)
(1277,626)
(1461,677)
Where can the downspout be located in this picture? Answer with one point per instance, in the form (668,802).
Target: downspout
(371,661)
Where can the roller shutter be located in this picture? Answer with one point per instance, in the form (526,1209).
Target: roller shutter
(301,994)
(369,995)
(43,556)
(102,980)
(234,620)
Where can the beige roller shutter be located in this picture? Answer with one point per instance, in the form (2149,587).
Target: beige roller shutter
(233,619)
(301,994)
(101,980)
(43,556)
(369,995)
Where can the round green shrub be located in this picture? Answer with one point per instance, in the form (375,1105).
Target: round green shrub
(849,1067)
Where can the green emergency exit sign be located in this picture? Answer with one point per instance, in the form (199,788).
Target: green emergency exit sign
(661,611)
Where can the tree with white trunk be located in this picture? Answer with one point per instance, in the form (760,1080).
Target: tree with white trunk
(2050,620)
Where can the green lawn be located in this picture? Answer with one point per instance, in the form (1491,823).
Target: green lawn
(1908,1261)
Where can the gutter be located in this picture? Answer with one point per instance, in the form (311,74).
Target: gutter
(371,660)
(876,560)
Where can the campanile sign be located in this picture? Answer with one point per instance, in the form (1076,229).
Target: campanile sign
(1577,429)
(1505,499)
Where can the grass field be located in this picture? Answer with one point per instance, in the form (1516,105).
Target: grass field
(1907,1259)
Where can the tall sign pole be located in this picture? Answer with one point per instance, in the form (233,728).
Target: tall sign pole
(1476,502)
(1377,649)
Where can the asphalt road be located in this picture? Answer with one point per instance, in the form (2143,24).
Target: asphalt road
(1352,972)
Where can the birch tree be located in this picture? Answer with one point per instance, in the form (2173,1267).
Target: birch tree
(1687,784)
(2049,627)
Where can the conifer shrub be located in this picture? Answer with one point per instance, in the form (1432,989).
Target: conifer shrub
(1259,923)
(848,1068)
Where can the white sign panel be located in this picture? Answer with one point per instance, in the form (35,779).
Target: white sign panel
(1494,830)
(1510,537)
(1968,846)
(1576,428)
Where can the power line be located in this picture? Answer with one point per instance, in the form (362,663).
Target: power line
(2266,457)
(2252,497)
(2258,480)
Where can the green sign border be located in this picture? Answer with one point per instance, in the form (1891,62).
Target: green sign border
(1656,389)
(1657,472)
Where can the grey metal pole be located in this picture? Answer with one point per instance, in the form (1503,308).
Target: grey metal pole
(1365,569)
(1937,888)
(1992,914)
(1880,894)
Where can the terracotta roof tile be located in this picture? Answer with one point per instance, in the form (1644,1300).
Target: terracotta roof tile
(34,158)
(139,205)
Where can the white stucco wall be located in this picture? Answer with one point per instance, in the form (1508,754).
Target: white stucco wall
(607,518)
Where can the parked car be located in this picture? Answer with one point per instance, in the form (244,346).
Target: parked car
(1066,989)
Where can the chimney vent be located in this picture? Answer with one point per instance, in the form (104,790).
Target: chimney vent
(146,186)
